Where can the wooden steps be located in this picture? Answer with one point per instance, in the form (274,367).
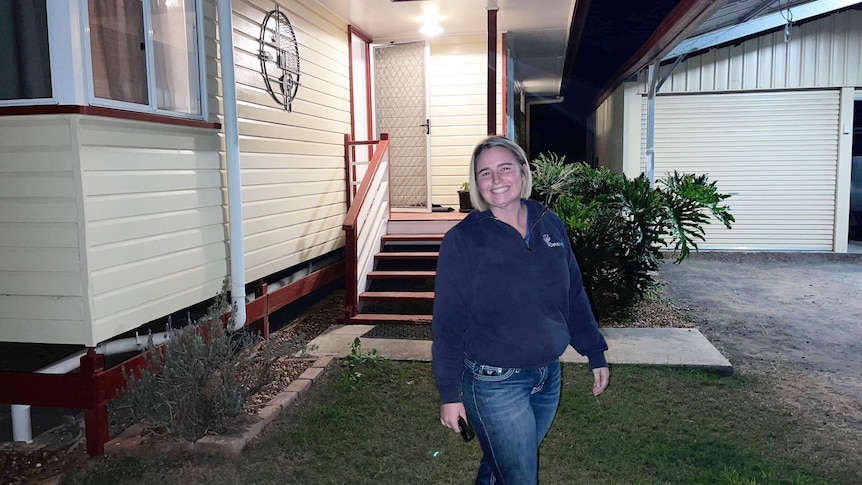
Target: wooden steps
(412,238)
(406,275)
(382,318)
(396,295)
(400,288)
(407,256)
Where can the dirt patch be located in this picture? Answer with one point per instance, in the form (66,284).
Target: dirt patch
(793,320)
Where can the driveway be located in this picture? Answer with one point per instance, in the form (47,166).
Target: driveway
(793,321)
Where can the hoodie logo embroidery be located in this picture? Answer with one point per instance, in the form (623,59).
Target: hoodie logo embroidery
(555,244)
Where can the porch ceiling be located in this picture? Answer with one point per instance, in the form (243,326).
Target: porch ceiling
(575,49)
(537,31)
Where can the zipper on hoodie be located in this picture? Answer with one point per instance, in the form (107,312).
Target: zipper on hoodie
(530,231)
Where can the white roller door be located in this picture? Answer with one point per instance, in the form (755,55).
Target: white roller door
(776,152)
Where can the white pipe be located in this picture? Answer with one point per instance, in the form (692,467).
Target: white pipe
(22,429)
(234,180)
(650,131)
(654,85)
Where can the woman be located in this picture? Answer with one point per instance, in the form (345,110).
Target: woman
(508,300)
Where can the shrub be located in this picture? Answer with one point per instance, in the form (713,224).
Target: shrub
(552,176)
(189,386)
(618,226)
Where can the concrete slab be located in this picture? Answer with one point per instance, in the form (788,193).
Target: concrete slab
(680,347)
(675,347)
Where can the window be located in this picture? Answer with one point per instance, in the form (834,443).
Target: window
(145,53)
(24,51)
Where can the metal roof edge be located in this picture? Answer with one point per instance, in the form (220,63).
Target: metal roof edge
(757,26)
(576,31)
(682,20)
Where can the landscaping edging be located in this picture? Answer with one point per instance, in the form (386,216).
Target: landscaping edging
(129,442)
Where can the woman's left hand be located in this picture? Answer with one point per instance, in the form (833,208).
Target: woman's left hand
(602,375)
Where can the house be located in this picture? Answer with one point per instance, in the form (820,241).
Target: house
(149,151)
(764,103)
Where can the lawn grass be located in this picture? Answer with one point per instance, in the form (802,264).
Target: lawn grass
(654,425)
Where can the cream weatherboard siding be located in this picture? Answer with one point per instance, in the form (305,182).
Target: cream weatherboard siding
(776,152)
(458,110)
(292,162)
(42,296)
(107,224)
(154,219)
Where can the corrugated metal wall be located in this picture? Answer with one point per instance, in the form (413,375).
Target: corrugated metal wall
(459,107)
(821,53)
(41,287)
(775,151)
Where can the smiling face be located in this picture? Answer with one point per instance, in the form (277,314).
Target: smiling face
(500,178)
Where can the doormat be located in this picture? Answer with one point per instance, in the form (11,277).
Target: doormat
(394,331)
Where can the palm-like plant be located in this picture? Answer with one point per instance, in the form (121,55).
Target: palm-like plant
(618,226)
(552,176)
(686,197)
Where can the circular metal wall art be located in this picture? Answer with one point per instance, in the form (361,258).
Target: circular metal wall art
(279,58)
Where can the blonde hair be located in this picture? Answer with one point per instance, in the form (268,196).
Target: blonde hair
(476,198)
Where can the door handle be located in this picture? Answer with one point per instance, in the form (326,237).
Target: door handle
(427,126)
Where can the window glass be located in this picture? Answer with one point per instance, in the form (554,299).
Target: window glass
(24,50)
(117,50)
(175,55)
(165,79)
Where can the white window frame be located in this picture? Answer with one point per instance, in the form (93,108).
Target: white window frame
(93,100)
(71,66)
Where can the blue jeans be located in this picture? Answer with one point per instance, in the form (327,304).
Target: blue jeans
(511,411)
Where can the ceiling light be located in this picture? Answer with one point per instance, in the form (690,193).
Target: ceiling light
(431,18)
(431,28)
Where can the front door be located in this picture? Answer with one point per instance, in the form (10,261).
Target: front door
(401,110)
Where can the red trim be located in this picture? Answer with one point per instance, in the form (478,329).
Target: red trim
(492,72)
(504,86)
(684,18)
(106,112)
(351,32)
(352,29)
(370,133)
(94,386)
(350,78)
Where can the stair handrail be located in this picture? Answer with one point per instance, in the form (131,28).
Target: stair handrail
(366,218)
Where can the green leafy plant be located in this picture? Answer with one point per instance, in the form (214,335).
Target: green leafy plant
(356,361)
(689,199)
(552,176)
(465,186)
(619,226)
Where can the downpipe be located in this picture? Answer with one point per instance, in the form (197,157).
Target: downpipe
(234,179)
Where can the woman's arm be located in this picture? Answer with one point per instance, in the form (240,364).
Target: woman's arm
(451,315)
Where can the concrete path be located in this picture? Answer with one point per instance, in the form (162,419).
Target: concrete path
(681,347)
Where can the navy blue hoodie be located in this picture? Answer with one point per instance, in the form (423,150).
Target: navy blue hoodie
(503,301)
